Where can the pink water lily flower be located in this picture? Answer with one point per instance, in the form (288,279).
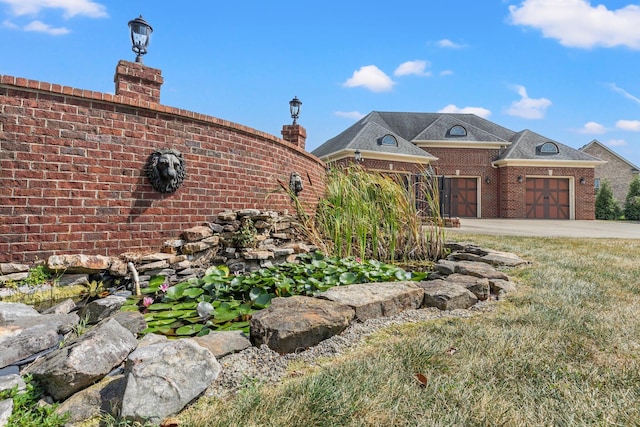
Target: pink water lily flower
(147,301)
(164,287)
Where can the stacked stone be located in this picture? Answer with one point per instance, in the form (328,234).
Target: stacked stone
(246,240)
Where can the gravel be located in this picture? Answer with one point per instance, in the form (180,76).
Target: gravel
(261,365)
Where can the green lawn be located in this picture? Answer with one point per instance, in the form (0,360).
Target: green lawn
(562,351)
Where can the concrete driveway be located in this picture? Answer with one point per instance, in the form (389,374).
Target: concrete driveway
(549,228)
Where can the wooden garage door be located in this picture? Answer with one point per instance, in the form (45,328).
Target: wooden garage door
(464,197)
(547,198)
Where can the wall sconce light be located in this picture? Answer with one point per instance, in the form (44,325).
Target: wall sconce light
(520,179)
(294,108)
(140,35)
(582,180)
(358,156)
(487,180)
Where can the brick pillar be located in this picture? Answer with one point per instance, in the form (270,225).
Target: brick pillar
(137,81)
(295,134)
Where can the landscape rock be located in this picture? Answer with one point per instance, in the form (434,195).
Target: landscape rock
(12,311)
(479,269)
(73,279)
(79,263)
(6,409)
(27,336)
(163,377)
(479,286)
(445,267)
(499,286)
(85,360)
(11,267)
(223,343)
(101,308)
(63,307)
(133,321)
(446,295)
(105,397)
(371,300)
(7,382)
(197,233)
(13,277)
(298,322)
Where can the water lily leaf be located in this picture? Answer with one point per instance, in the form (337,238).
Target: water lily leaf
(175,292)
(321,264)
(191,305)
(402,275)
(156,281)
(160,322)
(189,329)
(193,292)
(263,301)
(347,278)
(160,306)
(171,314)
(203,332)
(189,313)
(164,330)
(131,307)
(149,290)
(255,293)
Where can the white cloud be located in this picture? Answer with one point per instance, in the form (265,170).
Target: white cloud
(631,125)
(41,27)
(416,67)
(446,72)
(616,143)
(355,115)
(372,78)
(575,23)
(478,111)
(70,8)
(8,24)
(448,44)
(526,107)
(591,128)
(624,93)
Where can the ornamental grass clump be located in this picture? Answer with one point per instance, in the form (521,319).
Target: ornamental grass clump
(375,215)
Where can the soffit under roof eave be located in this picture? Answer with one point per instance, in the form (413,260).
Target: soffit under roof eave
(462,144)
(375,155)
(548,163)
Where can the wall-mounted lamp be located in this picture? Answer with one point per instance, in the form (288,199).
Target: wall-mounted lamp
(520,179)
(294,108)
(140,34)
(487,180)
(358,156)
(582,180)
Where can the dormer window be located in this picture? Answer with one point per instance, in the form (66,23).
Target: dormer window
(389,140)
(457,130)
(549,148)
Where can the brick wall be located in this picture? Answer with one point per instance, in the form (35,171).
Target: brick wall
(72,170)
(618,172)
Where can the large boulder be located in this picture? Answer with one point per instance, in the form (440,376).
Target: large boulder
(11,311)
(298,322)
(371,300)
(85,360)
(30,333)
(479,269)
(163,376)
(105,397)
(79,263)
(101,308)
(446,295)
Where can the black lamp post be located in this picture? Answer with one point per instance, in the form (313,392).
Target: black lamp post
(140,35)
(294,107)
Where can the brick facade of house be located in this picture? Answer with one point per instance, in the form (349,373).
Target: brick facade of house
(617,171)
(72,167)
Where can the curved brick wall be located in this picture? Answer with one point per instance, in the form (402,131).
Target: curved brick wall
(72,169)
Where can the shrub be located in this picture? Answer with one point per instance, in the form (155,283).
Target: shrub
(607,207)
(632,202)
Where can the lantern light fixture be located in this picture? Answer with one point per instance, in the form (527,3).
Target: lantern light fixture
(358,156)
(294,108)
(140,34)
(582,180)
(520,179)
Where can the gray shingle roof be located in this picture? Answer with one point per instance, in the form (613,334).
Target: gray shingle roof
(408,128)
(525,145)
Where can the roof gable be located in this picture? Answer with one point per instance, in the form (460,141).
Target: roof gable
(526,145)
(595,142)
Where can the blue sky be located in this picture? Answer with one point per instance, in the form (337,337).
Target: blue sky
(567,69)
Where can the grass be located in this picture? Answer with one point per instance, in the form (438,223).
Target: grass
(562,351)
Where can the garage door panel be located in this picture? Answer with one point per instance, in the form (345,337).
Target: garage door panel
(464,197)
(547,198)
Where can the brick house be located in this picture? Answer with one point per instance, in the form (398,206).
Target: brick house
(617,170)
(483,169)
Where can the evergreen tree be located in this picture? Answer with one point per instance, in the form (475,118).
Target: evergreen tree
(607,207)
(632,202)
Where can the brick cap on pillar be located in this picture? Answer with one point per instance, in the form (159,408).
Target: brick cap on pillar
(137,81)
(294,134)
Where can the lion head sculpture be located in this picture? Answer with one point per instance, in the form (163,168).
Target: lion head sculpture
(166,170)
